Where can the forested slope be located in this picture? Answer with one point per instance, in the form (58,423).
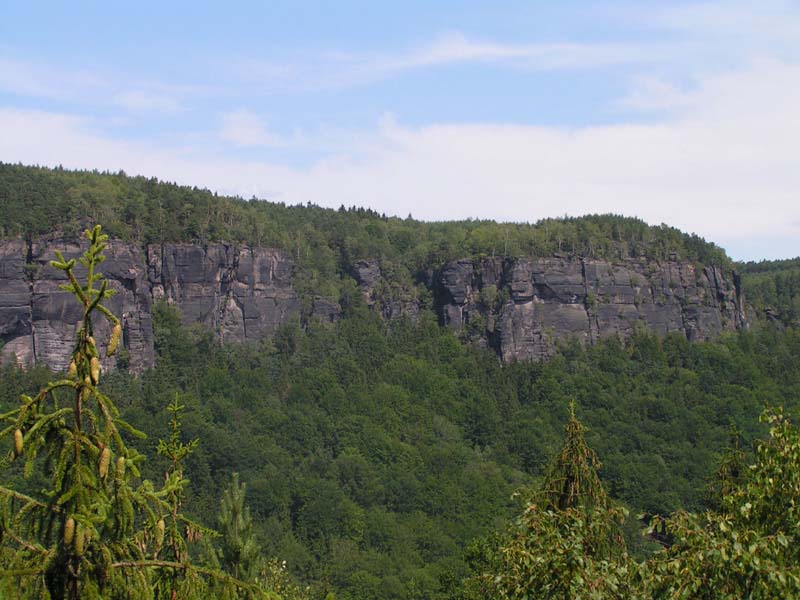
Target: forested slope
(375,455)
(773,289)
(380,454)
(38,201)
(244,268)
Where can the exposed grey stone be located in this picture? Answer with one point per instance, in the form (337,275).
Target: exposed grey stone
(401,302)
(326,310)
(457,280)
(243,293)
(367,273)
(15,304)
(560,297)
(38,320)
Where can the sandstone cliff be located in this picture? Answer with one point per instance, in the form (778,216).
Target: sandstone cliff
(526,305)
(241,293)
(520,307)
(38,320)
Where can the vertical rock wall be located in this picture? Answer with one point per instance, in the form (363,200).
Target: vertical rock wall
(520,307)
(529,304)
(242,293)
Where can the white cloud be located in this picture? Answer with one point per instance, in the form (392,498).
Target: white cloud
(245,128)
(28,79)
(723,164)
(651,93)
(88,89)
(692,38)
(455,48)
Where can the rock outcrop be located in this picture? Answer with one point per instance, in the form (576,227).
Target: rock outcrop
(242,293)
(389,297)
(38,320)
(16,299)
(526,305)
(520,307)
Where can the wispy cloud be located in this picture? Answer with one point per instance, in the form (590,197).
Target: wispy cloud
(719,83)
(457,48)
(697,38)
(25,78)
(88,89)
(650,93)
(333,70)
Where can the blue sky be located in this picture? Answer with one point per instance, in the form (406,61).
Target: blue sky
(676,112)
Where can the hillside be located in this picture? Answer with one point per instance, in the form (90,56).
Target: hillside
(38,201)
(378,410)
(245,268)
(377,459)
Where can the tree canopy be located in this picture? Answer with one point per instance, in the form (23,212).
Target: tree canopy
(326,241)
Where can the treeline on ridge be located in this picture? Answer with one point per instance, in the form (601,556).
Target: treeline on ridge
(40,200)
(773,289)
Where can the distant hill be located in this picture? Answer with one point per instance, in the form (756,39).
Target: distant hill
(244,268)
(38,201)
(379,436)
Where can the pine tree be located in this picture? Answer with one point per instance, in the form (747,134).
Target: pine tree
(572,479)
(97,529)
(239,553)
(567,543)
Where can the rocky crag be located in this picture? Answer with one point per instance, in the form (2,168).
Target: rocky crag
(519,307)
(524,307)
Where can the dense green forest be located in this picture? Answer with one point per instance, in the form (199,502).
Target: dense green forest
(325,243)
(386,459)
(39,200)
(773,288)
(375,455)
(78,519)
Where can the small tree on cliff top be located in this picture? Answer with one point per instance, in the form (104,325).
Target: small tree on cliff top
(97,529)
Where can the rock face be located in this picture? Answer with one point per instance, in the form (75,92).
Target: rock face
(392,299)
(38,320)
(526,305)
(242,293)
(521,307)
(16,327)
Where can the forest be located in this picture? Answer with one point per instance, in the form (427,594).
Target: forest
(773,289)
(389,459)
(323,243)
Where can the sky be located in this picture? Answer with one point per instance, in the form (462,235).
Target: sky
(685,113)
